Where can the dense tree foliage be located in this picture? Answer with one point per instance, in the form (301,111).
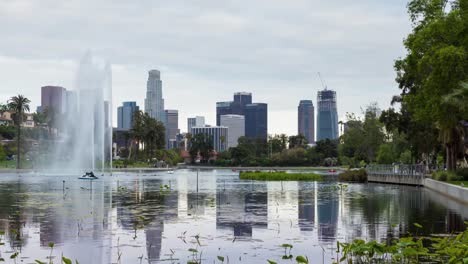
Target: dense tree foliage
(298,141)
(432,73)
(7,132)
(148,132)
(145,143)
(201,144)
(274,152)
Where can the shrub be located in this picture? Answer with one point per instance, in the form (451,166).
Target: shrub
(452,176)
(441,176)
(463,173)
(446,176)
(353,175)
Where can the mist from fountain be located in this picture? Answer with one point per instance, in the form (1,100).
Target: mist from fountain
(84,130)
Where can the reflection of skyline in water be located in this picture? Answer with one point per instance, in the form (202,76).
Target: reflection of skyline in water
(241,211)
(134,215)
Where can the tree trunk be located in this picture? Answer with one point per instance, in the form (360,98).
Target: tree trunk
(451,155)
(18,152)
(454,157)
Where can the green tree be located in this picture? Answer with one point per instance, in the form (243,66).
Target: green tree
(373,132)
(3,108)
(277,143)
(362,138)
(18,105)
(352,140)
(385,154)
(435,66)
(327,148)
(405,157)
(202,144)
(39,118)
(420,137)
(298,141)
(240,155)
(7,132)
(149,132)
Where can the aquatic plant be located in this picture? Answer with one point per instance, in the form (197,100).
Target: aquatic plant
(278,176)
(353,175)
(51,246)
(287,255)
(302,260)
(412,249)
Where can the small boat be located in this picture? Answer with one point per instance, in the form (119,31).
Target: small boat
(88,176)
(170,171)
(332,171)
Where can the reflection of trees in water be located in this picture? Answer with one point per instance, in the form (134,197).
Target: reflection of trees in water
(383,206)
(13,198)
(143,204)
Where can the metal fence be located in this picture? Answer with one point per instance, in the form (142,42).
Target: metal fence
(399,169)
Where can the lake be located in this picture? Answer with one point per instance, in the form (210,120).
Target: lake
(169,218)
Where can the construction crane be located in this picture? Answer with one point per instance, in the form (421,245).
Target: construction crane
(323,84)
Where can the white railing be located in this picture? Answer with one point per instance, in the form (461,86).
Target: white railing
(398,169)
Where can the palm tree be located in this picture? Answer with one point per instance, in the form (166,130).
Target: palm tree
(18,105)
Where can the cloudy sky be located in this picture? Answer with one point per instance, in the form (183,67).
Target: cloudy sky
(207,50)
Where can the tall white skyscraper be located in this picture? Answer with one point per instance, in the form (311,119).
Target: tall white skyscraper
(154,102)
(236,128)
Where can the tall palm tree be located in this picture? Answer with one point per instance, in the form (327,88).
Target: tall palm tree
(18,105)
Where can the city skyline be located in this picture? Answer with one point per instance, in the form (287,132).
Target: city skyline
(353,47)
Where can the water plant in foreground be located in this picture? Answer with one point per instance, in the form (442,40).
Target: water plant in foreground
(412,249)
(278,176)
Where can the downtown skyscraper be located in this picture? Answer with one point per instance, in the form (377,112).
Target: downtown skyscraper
(306,120)
(256,121)
(327,115)
(172,127)
(154,102)
(53,98)
(125,115)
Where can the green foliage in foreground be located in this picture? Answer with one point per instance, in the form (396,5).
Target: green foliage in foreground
(453,249)
(278,176)
(353,175)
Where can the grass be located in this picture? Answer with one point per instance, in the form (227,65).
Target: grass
(458,183)
(130,164)
(278,176)
(11,164)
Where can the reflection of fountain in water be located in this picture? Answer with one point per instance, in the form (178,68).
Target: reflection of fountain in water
(85,128)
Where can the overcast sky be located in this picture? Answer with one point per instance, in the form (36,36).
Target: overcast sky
(206,50)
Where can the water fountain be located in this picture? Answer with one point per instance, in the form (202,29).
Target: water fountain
(84,138)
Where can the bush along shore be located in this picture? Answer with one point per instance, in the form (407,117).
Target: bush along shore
(353,175)
(278,176)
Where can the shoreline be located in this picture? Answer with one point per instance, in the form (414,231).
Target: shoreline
(260,168)
(191,167)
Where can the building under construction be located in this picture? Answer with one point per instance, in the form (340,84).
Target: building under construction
(327,115)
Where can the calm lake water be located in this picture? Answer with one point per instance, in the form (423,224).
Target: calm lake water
(135,218)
